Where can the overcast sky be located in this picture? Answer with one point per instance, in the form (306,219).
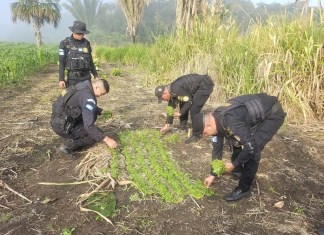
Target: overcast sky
(21,31)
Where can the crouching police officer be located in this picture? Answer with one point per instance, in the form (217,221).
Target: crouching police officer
(75,57)
(74,116)
(247,123)
(190,92)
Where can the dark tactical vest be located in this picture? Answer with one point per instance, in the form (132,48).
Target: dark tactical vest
(259,107)
(78,57)
(65,117)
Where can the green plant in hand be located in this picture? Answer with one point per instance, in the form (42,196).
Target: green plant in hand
(218,167)
(169,110)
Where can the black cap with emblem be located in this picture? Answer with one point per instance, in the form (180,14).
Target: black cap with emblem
(159,92)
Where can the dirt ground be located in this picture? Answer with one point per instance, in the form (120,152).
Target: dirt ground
(291,171)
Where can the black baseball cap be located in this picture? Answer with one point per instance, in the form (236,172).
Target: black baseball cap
(159,92)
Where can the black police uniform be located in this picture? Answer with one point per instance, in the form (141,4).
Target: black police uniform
(191,93)
(75,57)
(84,133)
(247,128)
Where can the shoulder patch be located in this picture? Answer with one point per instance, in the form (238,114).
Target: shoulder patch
(90,105)
(61,52)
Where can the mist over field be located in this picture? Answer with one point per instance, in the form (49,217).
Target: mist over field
(23,32)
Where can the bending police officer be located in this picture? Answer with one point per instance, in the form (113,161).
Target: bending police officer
(75,57)
(190,92)
(74,116)
(247,123)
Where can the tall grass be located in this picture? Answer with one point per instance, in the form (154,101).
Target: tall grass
(20,60)
(281,57)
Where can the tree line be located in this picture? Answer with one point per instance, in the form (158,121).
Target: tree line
(130,21)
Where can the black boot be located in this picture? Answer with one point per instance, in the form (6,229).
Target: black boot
(192,139)
(237,194)
(183,125)
(67,152)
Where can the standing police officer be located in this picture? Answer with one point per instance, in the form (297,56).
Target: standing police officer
(75,57)
(74,116)
(247,123)
(190,92)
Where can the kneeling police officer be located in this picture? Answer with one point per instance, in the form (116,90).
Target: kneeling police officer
(74,116)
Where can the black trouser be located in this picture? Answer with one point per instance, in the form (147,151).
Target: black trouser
(77,139)
(77,77)
(199,98)
(263,134)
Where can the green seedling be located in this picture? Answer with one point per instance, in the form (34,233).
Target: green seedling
(106,114)
(218,167)
(67,231)
(5,217)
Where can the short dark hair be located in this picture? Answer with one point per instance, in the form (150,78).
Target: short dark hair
(105,85)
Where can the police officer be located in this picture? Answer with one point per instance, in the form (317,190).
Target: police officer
(247,122)
(79,129)
(190,92)
(75,57)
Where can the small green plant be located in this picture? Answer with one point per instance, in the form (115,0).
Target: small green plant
(299,210)
(169,110)
(104,203)
(272,189)
(218,167)
(67,231)
(48,154)
(234,205)
(135,198)
(106,114)
(116,72)
(6,217)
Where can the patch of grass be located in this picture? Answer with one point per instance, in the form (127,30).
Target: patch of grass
(104,203)
(106,114)
(299,210)
(116,72)
(5,217)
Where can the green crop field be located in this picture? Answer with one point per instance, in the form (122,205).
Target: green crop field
(19,60)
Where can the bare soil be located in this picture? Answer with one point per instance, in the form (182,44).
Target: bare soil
(291,170)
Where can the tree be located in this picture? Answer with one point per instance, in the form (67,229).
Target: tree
(133,10)
(36,12)
(88,11)
(186,12)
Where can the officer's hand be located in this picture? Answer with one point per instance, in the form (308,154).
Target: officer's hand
(62,84)
(165,128)
(229,167)
(176,114)
(209,180)
(110,142)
